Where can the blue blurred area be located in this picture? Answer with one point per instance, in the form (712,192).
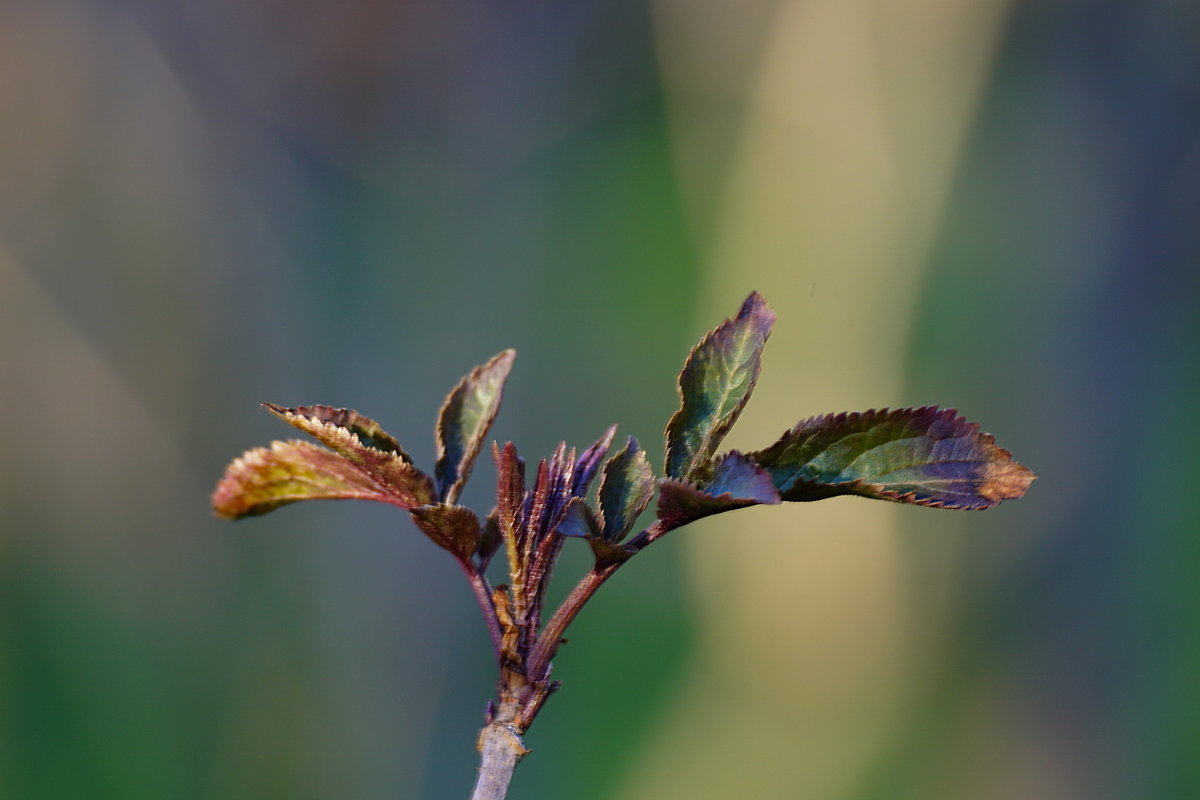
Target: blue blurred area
(208,205)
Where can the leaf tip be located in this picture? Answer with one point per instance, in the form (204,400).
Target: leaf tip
(504,359)
(222,502)
(755,306)
(1006,480)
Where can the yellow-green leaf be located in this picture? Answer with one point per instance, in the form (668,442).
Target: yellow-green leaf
(379,456)
(264,479)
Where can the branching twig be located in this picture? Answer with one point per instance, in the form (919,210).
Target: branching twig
(922,456)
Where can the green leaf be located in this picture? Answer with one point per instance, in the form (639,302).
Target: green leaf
(454,528)
(343,431)
(264,479)
(464,420)
(923,456)
(714,386)
(625,490)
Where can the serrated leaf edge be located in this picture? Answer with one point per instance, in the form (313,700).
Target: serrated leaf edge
(695,462)
(240,473)
(466,463)
(645,486)
(989,490)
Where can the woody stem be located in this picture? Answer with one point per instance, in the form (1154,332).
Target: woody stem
(501,748)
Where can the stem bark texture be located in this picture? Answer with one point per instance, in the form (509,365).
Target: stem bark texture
(501,749)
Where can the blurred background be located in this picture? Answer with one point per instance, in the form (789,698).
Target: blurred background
(990,205)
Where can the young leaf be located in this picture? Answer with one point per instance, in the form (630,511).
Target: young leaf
(382,460)
(454,528)
(589,461)
(369,432)
(737,483)
(923,456)
(263,479)
(625,491)
(464,420)
(714,385)
(579,520)
(510,489)
(489,539)
(737,475)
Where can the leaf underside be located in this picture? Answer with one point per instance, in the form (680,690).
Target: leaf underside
(737,483)
(455,528)
(264,479)
(589,461)
(464,420)
(321,421)
(363,443)
(489,539)
(579,520)
(923,456)
(714,386)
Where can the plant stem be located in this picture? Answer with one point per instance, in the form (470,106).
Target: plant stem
(547,644)
(651,534)
(483,595)
(501,748)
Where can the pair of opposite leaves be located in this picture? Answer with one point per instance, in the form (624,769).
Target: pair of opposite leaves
(924,456)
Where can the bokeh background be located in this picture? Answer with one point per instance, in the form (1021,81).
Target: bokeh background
(992,205)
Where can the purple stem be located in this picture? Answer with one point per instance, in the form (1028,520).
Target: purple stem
(551,637)
(483,594)
(547,644)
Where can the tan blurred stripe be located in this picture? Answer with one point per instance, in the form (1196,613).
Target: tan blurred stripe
(852,115)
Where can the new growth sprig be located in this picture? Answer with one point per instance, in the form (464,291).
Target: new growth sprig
(921,456)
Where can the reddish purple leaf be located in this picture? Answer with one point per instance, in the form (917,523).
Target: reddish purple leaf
(589,461)
(737,483)
(454,528)
(489,539)
(579,520)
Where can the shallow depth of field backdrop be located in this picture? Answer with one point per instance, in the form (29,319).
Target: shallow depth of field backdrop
(992,205)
